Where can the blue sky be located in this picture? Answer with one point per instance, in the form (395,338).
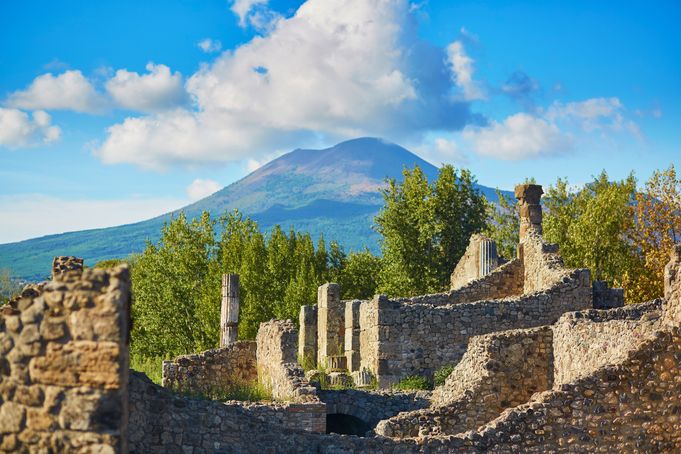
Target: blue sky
(112,112)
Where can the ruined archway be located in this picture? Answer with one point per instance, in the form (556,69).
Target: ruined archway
(340,423)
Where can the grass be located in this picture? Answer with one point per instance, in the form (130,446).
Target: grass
(413,382)
(442,374)
(153,367)
(249,392)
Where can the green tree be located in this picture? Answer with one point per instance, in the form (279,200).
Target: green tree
(359,277)
(425,229)
(8,286)
(504,225)
(591,226)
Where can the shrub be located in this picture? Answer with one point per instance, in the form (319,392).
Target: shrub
(413,382)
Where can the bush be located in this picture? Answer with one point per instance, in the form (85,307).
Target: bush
(151,366)
(413,382)
(442,373)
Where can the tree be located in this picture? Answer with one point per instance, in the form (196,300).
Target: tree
(8,286)
(359,277)
(591,226)
(656,228)
(425,229)
(504,225)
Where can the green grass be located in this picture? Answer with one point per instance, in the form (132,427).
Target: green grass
(153,367)
(442,373)
(250,392)
(413,382)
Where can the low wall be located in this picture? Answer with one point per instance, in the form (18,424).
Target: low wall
(64,365)
(498,371)
(277,365)
(212,370)
(543,266)
(672,287)
(607,298)
(633,406)
(587,340)
(372,406)
(401,339)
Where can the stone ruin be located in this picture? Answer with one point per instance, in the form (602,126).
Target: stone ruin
(543,360)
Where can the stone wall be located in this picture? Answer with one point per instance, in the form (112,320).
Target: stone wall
(277,365)
(213,370)
(469,266)
(65,264)
(588,340)
(330,322)
(373,406)
(606,297)
(307,336)
(64,365)
(498,371)
(543,265)
(672,286)
(399,339)
(352,353)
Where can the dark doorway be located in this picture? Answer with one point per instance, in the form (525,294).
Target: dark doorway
(339,423)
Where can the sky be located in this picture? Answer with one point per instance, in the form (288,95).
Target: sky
(116,111)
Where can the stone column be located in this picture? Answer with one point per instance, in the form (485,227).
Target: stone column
(229,310)
(330,323)
(65,263)
(489,259)
(352,335)
(529,200)
(307,336)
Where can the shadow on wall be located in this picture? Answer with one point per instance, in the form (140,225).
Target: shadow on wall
(339,423)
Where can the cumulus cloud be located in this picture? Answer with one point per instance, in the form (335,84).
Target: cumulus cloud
(209,45)
(158,89)
(334,70)
(462,72)
(23,216)
(199,189)
(68,91)
(519,136)
(549,130)
(18,129)
(255,13)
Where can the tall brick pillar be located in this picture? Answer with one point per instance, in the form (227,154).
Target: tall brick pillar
(529,200)
(307,336)
(330,322)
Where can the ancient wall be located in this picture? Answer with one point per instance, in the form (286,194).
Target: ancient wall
(503,282)
(277,365)
(330,322)
(213,370)
(307,336)
(479,258)
(400,339)
(64,364)
(65,264)
(588,340)
(672,287)
(351,340)
(606,297)
(498,371)
(543,265)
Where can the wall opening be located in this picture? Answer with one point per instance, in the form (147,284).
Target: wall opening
(343,424)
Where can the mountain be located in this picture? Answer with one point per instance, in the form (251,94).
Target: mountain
(332,191)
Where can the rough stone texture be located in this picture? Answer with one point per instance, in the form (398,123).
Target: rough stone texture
(65,264)
(373,406)
(330,322)
(504,281)
(307,337)
(605,297)
(277,366)
(398,339)
(229,309)
(498,371)
(586,341)
(352,334)
(212,370)
(480,251)
(529,201)
(672,286)
(64,364)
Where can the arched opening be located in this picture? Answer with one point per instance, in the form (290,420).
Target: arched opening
(340,423)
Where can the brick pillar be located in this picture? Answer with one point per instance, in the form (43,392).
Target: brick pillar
(330,323)
(307,336)
(229,310)
(529,200)
(352,335)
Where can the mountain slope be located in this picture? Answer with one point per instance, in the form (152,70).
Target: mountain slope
(332,191)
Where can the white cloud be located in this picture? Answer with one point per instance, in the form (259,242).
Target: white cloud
(199,189)
(592,114)
(23,216)
(209,45)
(158,89)
(336,69)
(244,8)
(18,130)
(441,150)
(68,91)
(462,72)
(519,136)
